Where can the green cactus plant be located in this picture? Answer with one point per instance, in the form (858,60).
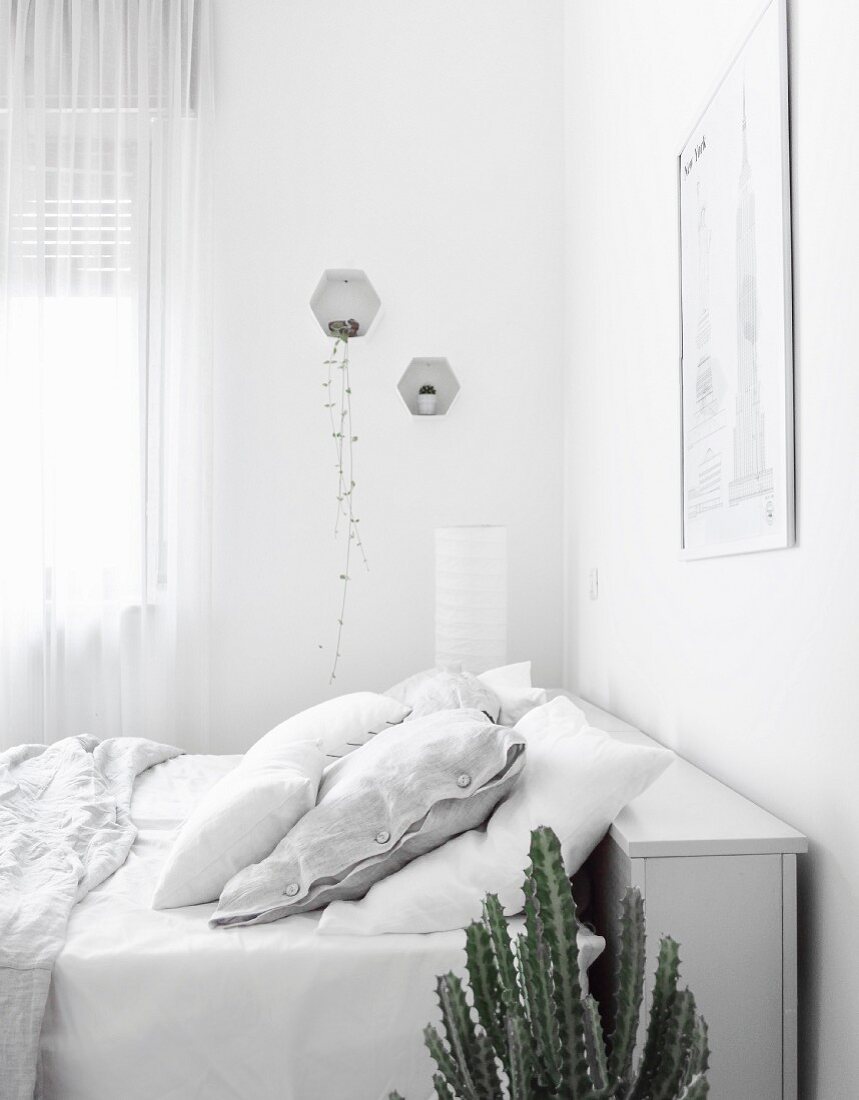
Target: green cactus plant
(528,1033)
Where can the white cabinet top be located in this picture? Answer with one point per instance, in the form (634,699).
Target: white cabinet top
(689,813)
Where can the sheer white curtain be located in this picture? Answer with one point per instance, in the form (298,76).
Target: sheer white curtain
(105,128)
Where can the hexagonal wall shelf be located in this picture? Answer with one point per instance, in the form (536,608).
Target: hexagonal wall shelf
(345,294)
(429,371)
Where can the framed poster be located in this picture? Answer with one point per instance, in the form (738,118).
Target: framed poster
(736,346)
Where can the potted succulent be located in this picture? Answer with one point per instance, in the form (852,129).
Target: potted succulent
(427,400)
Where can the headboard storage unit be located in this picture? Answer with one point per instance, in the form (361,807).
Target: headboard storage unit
(718,874)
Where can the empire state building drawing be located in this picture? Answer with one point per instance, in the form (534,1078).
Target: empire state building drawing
(705,491)
(704,395)
(752,477)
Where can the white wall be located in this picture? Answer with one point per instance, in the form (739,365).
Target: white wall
(422,143)
(746,665)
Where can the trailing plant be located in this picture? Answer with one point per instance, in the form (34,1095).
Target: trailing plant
(428,388)
(338,390)
(526,1032)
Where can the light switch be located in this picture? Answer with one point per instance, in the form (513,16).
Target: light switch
(594,580)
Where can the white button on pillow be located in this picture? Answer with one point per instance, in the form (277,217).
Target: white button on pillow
(576,780)
(512,685)
(239,822)
(341,724)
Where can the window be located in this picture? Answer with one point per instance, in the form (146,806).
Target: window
(105,360)
(74,355)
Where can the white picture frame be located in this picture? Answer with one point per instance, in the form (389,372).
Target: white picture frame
(736,332)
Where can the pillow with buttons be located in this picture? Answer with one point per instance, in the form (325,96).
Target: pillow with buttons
(577,781)
(404,793)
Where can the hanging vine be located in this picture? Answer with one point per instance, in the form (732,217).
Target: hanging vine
(339,405)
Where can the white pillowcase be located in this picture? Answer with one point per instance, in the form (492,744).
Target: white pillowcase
(240,821)
(512,685)
(576,780)
(342,724)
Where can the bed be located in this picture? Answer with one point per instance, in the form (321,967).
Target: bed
(147,1005)
(155,1005)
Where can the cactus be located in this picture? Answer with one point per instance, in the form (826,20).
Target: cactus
(528,1033)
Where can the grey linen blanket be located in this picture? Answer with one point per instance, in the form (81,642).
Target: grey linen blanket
(65,826)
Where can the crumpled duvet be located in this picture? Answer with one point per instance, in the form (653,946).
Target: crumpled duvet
(65,827)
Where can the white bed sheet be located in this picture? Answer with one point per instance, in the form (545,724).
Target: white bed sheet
(155,1005)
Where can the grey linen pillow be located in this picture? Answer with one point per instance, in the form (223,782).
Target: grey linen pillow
(445,689)
(404,793)
(406,689)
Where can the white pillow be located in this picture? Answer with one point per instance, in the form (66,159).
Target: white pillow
(512,685)
(576,780)
(342,724)
(240,821)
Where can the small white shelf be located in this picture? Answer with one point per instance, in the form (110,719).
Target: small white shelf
(429,370)
(344,294)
